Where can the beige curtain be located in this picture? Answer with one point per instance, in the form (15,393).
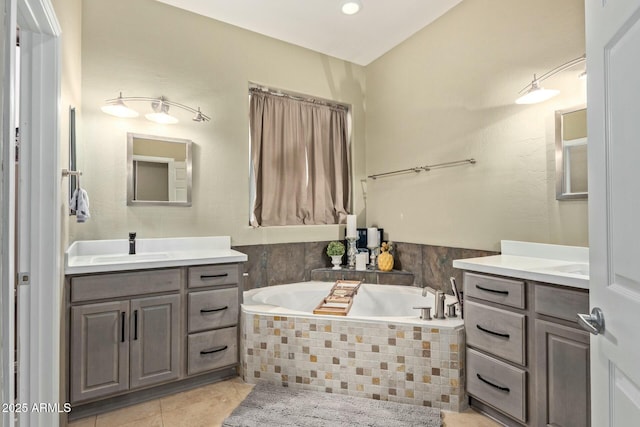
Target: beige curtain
(300,162)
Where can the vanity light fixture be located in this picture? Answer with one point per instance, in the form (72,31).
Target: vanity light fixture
(161,113)
(351,7)
(116,107)
(534,93)
(160,106)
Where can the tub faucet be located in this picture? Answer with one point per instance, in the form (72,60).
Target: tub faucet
(439,305)
(132,243)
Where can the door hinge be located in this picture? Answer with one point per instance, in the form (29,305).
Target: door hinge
(24,278)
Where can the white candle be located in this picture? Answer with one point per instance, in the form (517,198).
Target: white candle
(372,237)
(361,261)
(351,226)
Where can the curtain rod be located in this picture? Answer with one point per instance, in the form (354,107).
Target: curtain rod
(425,168)
(297,97)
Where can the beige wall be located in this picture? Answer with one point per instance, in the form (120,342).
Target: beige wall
(145,48)
(448,93)
(69,17)
(445,94)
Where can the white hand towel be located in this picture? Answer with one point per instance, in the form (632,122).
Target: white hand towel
(73,203)
(79,204)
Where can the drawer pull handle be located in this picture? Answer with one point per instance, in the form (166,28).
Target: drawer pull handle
(213,310)
(122,327)
(492,384)
(498,334)
(495,291)
(214,350)
(213,276)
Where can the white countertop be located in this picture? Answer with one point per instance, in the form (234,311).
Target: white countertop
(557,264)
(95,256)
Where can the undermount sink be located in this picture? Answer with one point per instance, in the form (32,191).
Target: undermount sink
(155,256)
(579,268)
(95,256)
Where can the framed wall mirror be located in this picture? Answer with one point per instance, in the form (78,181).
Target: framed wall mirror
(571,153)
(158,170)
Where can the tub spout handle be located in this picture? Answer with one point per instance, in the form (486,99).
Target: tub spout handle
(451,310)
(425,312)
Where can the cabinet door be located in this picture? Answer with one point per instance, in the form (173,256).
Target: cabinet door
(99,350)
(155,340)
(562,359)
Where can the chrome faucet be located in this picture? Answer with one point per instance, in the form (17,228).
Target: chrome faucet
(439,305)
(132,243)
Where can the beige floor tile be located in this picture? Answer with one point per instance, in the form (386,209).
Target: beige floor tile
(130,414)
(152,421)
(199,414)
(209,405)
(84,422)
(208,393)
(469,418)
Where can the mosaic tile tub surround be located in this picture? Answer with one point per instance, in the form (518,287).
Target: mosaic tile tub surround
(409,363)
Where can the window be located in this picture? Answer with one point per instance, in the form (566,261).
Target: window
(300,160)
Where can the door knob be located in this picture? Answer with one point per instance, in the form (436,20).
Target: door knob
(594,322)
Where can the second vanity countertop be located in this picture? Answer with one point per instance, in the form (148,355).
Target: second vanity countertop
(96,256)
(560,265)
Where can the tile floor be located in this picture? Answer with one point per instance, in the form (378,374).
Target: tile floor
(209,405)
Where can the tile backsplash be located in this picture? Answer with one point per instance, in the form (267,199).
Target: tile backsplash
(281,263)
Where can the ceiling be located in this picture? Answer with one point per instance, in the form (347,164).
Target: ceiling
(319,25)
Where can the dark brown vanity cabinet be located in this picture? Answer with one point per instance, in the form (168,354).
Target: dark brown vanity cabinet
(527,359)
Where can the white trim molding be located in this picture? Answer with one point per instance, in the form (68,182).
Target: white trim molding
(39,226)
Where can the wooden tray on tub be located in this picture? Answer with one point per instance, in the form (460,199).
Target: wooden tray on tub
(340,298)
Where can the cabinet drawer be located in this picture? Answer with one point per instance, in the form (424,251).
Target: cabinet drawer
(213,275)
(497,383)
(213,309)
(561,303)
(115,285)
(496,331)
(494,289)
(211,350)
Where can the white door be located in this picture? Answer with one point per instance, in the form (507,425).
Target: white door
(613,108)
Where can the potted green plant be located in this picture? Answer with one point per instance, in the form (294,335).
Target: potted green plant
(335,250)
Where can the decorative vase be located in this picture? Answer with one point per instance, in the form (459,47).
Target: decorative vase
(336,260)
(385,259)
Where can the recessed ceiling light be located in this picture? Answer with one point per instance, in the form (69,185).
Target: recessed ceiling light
(351,7)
